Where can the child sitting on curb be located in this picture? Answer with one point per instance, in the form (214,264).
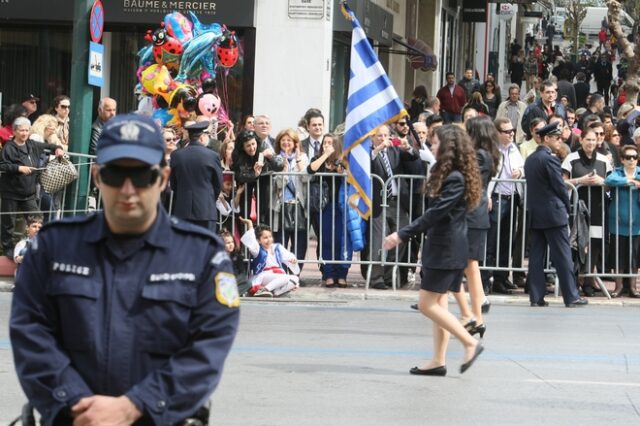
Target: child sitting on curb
(268,262)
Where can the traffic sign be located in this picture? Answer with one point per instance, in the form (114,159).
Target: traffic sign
(96,21)
(96,64)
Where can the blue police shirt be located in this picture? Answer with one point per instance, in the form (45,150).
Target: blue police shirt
(151,317)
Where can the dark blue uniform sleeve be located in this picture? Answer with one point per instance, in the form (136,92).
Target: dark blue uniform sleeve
(554,171)
(44,369)
(452,191)
(183,384)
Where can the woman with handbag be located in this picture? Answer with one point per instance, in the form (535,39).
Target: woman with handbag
(334,242)
(19,160)
(290,194)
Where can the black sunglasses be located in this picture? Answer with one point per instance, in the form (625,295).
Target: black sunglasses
(507,132)
(630,157)
(141,177)
(402,123)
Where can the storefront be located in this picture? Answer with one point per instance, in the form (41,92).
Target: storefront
(35,47)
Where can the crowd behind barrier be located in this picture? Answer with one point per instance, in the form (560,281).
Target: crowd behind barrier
(322,213)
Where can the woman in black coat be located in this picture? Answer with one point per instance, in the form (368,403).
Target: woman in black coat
(453,188)
(250,165)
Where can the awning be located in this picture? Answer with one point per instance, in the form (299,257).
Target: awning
(418,52)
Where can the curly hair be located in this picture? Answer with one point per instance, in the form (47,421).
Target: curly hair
(456,153)
(286,132)
(484,135)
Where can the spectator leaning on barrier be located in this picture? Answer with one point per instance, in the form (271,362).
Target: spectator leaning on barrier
(327,198)
(18,185)
(587,169)
(624,219)
(386,161)
(289,200)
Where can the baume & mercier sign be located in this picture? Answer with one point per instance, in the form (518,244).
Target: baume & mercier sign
(235,13)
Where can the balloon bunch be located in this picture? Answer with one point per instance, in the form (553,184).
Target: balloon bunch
(177,70)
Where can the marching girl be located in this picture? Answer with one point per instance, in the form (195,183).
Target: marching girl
(269,262)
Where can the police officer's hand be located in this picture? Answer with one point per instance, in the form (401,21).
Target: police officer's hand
(25,170)
(105,411)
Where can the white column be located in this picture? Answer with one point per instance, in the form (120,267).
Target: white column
(293,64)
(504,66)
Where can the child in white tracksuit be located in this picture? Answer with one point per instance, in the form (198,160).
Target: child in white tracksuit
(268,261)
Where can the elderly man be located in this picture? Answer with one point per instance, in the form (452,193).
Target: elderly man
(19,160)
(262,125)
(513,109)
(106,111)
(124,316)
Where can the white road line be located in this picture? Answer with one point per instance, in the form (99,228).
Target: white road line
(580,382)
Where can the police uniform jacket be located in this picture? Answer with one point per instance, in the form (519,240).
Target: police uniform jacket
(444,221)
(547,199)
(142,317)
(196,181)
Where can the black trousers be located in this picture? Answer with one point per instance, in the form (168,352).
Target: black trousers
(9,209)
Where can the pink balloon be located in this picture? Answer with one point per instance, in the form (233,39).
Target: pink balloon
(208,105)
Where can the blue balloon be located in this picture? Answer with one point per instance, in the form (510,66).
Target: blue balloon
(198,55)
(161,116)
(199,28)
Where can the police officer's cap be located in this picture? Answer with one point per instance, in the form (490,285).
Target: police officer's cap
(550,129)
(197,128)
(131,136)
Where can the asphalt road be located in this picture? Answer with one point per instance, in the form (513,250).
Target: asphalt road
(347,362)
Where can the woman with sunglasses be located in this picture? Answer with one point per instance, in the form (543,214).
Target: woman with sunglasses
(587,169)
(60,110)
(624,220)
(490,97)
(170,142)
(453,188)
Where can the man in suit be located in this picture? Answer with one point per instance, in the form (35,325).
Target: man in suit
(196,178)
(262,125)
(315,127)
(548,208)
(386,161)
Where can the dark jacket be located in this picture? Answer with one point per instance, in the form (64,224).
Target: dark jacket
(397,158)
(96,131)
(547,199)
(582,90)
(537,109)
(13,184)
(566,89)
(478,218)
(444,221)
(196,181)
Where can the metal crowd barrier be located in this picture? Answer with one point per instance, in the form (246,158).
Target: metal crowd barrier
(395,210)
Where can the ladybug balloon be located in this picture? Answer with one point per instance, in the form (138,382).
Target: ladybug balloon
(166,49)
(228,49)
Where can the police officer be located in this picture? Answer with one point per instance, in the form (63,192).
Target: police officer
(125,315)
(196,178)
(548,207)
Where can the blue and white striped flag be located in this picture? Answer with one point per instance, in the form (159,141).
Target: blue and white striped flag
(372,102)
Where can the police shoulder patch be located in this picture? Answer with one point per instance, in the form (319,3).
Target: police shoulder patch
(227,289)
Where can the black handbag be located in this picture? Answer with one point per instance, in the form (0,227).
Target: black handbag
(293,217)
(318,195)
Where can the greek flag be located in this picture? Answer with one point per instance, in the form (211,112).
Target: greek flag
(372,102)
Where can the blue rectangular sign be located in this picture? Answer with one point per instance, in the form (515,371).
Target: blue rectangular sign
(96,64)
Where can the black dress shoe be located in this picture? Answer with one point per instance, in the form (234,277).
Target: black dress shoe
(414,306)
(509,285)
(464,367)
(519,280)
(578,302)
(436,371)
(541,304)
(379,286)
(500,288)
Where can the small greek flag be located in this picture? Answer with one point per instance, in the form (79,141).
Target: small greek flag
(372,102)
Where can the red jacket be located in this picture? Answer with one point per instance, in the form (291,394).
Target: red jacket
(452,103)
(6,133)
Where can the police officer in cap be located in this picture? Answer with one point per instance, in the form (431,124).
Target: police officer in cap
(114,319)
(548,208)
(196,178)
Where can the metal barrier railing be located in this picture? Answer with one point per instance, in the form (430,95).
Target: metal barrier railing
(505,250)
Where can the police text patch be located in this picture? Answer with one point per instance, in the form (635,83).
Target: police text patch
(69,268)
(177,276)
